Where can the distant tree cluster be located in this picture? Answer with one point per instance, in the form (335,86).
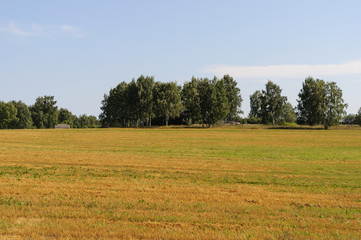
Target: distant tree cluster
(143,102)
(43,114)
(319,102)
(353,119)
(270,107)
(138,102)
(211,101)
(200,101)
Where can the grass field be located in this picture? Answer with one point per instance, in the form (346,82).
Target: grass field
(180,183)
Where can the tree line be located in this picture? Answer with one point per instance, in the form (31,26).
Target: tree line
(211,101)
(42,114)
(143,101)
(146,102)
(319,102)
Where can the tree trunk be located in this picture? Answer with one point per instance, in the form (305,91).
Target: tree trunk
(150,120)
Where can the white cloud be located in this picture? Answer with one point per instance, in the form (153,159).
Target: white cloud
(67,28)
(285,71)
(70,30)
(41,30)
(11,28)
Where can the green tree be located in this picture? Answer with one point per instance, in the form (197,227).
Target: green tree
(132,102)
(358,117)
(288,113)
(23,114)
(191,101)
(145,105)
(213,101)
(86,121)
(44,112)
(66,117)
(255,104)
(221,109)
(207,97)
(205,101)
(76,123)
(83,121)
(115,107)
(272,103)
(311,101)
(8,116)
(350,119)
(320,103)
(93,122)
(167,100)
(334,106)
(234,98)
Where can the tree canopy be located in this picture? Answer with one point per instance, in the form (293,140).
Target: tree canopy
(129,104)
(23,114)
(167,100)
(320,102)
(269,105)
(202,101)
(358,117)
(8,115)
(199,101)
(43,114)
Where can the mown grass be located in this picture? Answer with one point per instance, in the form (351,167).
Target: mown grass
(180,183)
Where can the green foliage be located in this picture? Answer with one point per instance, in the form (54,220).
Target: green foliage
(334,109)
(222,106)
(255,104)
(66,117)
(269,105)
(23,114)
(253,120)
(311,101)
(200,101)
(320,103)
(117,106)
(288,113)
(44,112)
(205,101)
(358,117)
(350,119)
(207,97)
(234,98)
(191,101)
(129,104)
(83,121)
(8,116)
(167,100)
(145,105)
(272,104)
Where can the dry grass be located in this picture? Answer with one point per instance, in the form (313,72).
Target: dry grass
(170,183)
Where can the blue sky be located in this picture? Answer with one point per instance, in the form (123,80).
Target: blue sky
(78,50)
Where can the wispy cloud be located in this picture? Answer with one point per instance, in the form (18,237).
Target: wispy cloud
(285,71)
(37,30)
(70,30)
(16,31)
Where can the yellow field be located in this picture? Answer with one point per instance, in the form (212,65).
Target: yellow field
(169,183)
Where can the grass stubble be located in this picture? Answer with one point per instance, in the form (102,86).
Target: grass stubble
(180,183)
